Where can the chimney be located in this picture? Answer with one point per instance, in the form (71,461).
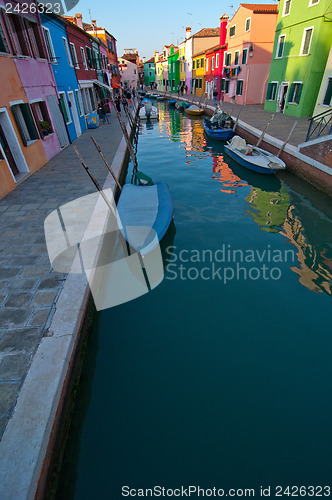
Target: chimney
(78,19)
(156,54)
(94,22)
(223,29)
(188,32)
(144,59)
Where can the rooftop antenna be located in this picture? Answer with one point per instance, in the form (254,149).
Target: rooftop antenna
(93,27)
(232,8)
(191,19)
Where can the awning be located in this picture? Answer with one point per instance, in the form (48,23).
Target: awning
(116,86)
(103,85)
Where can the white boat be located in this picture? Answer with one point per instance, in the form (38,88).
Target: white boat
(252,157)
(148,112)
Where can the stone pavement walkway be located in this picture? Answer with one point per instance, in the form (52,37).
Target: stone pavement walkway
(28,287)
(256,116)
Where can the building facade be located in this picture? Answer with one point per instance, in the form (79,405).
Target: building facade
(128,73)
(149,72)
(324,100)
(250,39)
(173,70)
(198,76)
(302,45)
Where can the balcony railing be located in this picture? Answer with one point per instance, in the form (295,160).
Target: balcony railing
(320,125)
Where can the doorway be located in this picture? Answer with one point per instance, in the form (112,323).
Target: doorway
(282,95)
(7,152)
(74,113)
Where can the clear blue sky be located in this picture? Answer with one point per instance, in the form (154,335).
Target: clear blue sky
(148,25)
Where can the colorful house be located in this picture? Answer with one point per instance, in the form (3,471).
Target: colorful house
(182,62)
(80,43)
(161,64)
(64,59)
(149,72)
(128,72)
(302,45)
(250,38)
(214,58)
(198,75)
(173,70)
(324,100)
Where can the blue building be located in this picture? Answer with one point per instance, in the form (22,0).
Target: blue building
(64,60)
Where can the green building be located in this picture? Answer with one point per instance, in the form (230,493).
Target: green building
(149,72)
(173,70)
(302,44)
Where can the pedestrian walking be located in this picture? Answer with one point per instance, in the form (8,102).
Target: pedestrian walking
(100,111)
(118,104)
(186,88)
(178,90)
(106,111)
(215,95)
(182,89)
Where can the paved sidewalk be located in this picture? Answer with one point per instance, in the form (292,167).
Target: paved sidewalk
(28,287)
(257,117)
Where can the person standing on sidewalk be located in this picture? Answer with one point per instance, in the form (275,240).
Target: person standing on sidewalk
(106,111)
(215,95)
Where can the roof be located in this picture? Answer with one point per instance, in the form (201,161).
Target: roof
(205,32)
(212,49)
(151,60)
(263,8)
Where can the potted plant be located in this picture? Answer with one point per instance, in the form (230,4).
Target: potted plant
(46,127)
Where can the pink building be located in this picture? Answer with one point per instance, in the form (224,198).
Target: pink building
(214,59)
(250,38)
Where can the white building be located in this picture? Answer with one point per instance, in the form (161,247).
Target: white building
(128,72)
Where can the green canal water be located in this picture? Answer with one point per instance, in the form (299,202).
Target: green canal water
(221,376)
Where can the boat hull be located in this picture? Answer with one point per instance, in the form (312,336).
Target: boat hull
(222,134)
(193,112)
(144,214)
(249,163)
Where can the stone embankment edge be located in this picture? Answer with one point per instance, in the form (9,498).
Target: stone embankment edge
(309,169)
(24,446)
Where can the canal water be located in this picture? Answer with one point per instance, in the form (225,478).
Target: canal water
(220,377)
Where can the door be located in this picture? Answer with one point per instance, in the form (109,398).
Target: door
(60,127)
(8,153)
(74,113)
(282,94)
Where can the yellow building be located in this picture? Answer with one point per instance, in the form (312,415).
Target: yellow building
(182,62)
(198,73)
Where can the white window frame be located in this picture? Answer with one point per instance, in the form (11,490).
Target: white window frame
(80,102)
(275,97)
(242,87)
(233,26)
(245,50)
(217,60)
(290,6)
(212,63)
(278,45)
(230,61)
(65,42)
(312,4)
(245,26)
(296,82)
(303,40)
(238,59)
(85,64)
(48,39)
(207,64)
(329,77)
(75,62)
(65,100)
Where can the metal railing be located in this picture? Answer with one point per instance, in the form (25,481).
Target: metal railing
(320,125)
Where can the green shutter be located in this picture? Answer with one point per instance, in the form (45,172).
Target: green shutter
(28,118)
(24,139)
(298,94)
(269,92)
(291,92)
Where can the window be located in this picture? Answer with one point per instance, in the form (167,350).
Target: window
(17,34)
(313,2)
(64,107)
(239,87)
(228,56)
(287,6)
(328,94)
(79,102)
(42,118)
(207,65)
(232,30)
(217,60)
(226,86)
(90,58)
(200,83)
(65,43)
(244,56)
(306,41)
(280,47)
(3,42)
(237,57)
(222,84)
(295,93)
(271,91)
(202,62)
(36,40)
(197,63)
(73,54)
(194,64)
(49,44)
(248,23)
(212,65)
(25,123)
(83,58)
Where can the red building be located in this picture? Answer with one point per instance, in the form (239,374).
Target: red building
(214,62)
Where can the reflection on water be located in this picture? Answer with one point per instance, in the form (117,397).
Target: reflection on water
(269,200)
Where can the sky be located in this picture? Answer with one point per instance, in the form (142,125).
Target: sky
(149,25)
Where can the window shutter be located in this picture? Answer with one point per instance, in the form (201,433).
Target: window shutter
(269,91)
(3,42)
(40,42)
(19,125)
(298,94)
(22,32)
(291,92)
(10,32)
(27,115)
(35,115)
(29,30)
